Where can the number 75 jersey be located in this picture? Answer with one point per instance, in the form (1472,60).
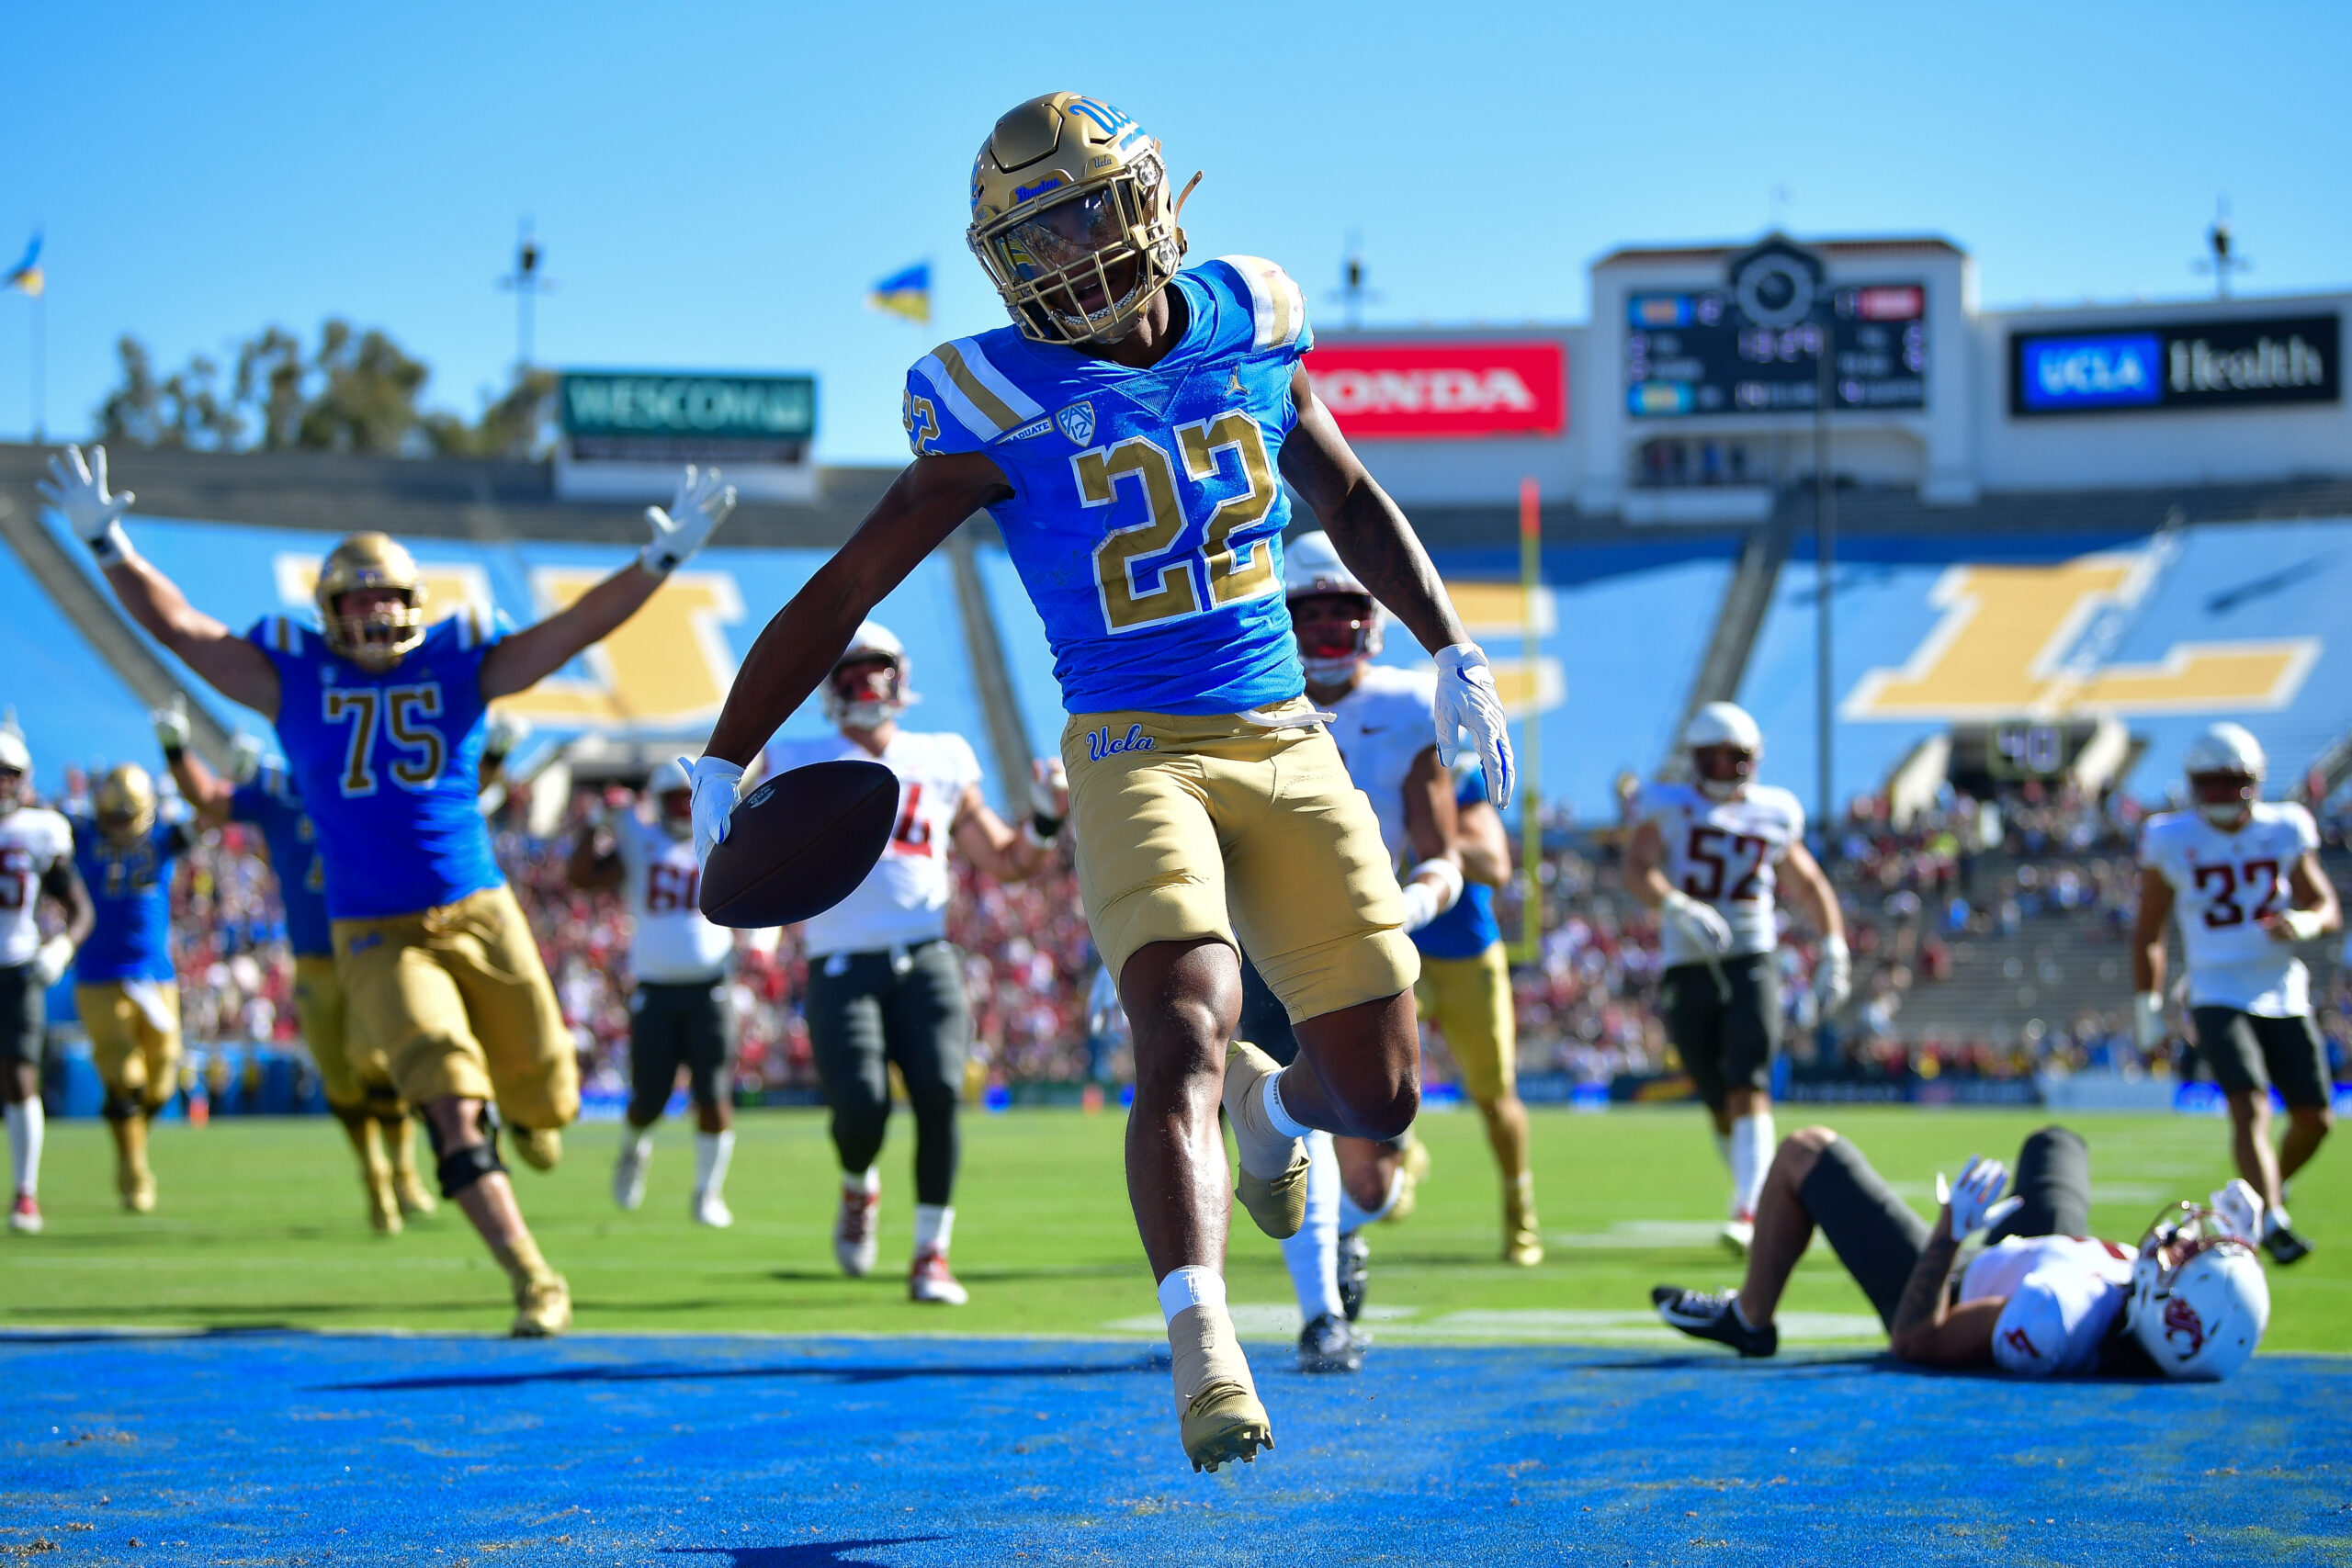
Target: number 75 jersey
(2222,885)
(1721,852)
(1147,510)
(388,763)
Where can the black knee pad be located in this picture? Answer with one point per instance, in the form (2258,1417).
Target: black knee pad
(461,1170)
(119,1107)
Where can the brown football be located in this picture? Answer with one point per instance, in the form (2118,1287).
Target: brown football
(800,843)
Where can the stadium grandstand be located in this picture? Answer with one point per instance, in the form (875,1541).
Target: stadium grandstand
(2035,605)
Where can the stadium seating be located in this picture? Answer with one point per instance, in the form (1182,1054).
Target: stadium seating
(74,709)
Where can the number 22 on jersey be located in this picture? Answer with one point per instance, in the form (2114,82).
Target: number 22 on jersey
(1141,582)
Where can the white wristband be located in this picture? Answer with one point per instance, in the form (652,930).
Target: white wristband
(2301,924)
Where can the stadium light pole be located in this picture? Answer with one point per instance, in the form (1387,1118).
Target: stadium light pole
(1824,541)
(526,285)
(1531,659)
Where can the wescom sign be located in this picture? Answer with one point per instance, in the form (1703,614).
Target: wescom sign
(1422,391)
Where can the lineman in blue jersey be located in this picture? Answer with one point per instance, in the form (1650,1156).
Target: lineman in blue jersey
(1127,432)
(381,719)
(124,989)
(356,1080)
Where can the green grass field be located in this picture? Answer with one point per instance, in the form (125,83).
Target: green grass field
(260,1224)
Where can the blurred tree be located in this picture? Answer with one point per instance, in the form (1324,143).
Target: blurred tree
(358,392)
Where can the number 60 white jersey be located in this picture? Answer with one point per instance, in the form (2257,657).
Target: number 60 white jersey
(2224,885)
(1723,852)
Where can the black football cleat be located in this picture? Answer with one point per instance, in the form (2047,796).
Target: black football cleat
(2285,1247)
(1326,1345)
(1711,1314)
(1355,1254)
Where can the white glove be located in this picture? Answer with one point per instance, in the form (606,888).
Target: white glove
(1466,700)
(172,730)
(506,731)
(2240,1207)
(2296,925)
(1048,798)
(2148,1021)
(244,758)
(1833,976)
(1430,889)
(701,504)
(1976,1201)
(1702,925)
(79,490)
(50,962)
(715,781)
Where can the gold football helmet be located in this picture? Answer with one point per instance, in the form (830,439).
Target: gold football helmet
(1073,218)
(384,635)
(125,803)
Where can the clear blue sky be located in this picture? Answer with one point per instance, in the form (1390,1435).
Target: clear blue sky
(717,185)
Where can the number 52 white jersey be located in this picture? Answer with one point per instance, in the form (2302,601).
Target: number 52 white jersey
(1723,852)
(2224,885)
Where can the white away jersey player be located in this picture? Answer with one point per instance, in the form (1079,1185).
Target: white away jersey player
(32,838)
(1380,727)
(663,882)
(2223,883)
(904,901)
(1721,852)
(2064,1294)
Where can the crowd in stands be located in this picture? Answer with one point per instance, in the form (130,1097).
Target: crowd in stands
(1961,871)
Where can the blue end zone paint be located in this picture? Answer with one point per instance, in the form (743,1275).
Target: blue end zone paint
(758,1453)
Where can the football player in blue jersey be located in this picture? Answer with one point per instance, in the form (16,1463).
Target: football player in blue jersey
(357,1081)
(382,720)
(124,987)
(1130,433)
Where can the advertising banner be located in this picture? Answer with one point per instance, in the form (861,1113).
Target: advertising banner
(2177,365)
(626,432)
(1425,392)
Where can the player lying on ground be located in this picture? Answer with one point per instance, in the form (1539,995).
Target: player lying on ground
(36,862)
(885,987)
(679,1017)
(1130,434)
(2042,1298)
(2246,874)
(1704,855)
(382,720)
(356,1080)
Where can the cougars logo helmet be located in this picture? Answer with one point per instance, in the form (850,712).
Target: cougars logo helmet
(2199,1300)
(125,803)
(1723,741)
(1329,646)
(1073,218)
(16,767)
(2224,766)
(861,698)
(384,635)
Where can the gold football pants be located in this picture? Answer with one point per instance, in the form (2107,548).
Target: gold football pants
(136,1047)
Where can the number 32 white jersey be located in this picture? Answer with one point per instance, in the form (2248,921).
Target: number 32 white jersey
(32,839)
(904,900)
(2223,883)
(1723,852)
(672,945)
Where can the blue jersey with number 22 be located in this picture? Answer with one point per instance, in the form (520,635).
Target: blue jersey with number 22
(1148,508)
(387,763)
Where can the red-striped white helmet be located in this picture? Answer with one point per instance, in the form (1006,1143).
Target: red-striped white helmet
(868,683)
(2199,1300)
(2224,766)
(1725,743)
(1333,641)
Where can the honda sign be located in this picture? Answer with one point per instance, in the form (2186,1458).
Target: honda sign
(1444,390)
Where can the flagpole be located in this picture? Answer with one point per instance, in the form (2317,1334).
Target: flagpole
(40,365)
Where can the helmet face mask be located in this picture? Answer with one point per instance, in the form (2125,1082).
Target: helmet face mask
(2224,765)
(869,685)
(124,804)
(1721,772)
(1336,632)
(14,788)
(2225,799)
(1725,743)
(1073,219)
(672,792)
(387,623)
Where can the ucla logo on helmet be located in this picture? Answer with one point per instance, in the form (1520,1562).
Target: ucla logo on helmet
(1076,421)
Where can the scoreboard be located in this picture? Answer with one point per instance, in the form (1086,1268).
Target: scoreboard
(1703,352)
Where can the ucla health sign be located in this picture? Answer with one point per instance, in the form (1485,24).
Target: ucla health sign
(2177,365)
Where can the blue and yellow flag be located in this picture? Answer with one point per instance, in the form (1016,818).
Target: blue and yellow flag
(27,274)
(906,294)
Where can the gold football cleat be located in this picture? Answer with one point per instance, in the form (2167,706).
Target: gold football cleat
(538,1147)
(1224,1422)
(1278,1203)
(1522,1239)
(383,1204)
(542,1307)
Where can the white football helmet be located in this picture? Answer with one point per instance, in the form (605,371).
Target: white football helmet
(1725,743)
(17,757)
(1331,649)
(865,699)
(672,790)
(2199,1300)
(2224,765)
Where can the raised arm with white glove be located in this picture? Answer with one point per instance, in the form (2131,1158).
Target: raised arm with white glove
(2240,1207)
(78,489)
(701,504)
(1466,699)
(1976,1201)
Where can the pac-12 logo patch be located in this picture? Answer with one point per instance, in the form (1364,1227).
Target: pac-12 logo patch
(1077,421)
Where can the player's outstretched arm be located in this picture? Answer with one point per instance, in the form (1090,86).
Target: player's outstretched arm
(1927,1331)
(2148,932)
(63,884)
(519,662)
(924,504)
(994,846)
(1485,847)
(2314,910)
(233,667)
